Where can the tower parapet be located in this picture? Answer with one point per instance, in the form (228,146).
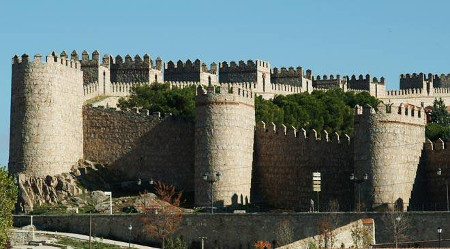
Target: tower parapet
(328,82)
(418,80)
(188,71)
(224,138)
(388,145)
(46,135)
(293,77)
(376,87)
(139,69)
(253,71)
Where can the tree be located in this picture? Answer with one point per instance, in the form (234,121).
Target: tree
(361,236)
(158,97)
(163,222)
(399,223)
(327,237)
(439,114)
(176,243)
(284,233)
(440,122)
(8,199)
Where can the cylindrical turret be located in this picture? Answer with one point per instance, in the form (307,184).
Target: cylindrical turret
(388,144)
(224,136)
(46,135)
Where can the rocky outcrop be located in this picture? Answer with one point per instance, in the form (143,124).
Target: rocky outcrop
(45,190)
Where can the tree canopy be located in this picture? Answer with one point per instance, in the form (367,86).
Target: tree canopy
(439,126)
(160,98)
(8,199)
(331,110)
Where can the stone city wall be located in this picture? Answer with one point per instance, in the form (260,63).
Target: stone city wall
(224,138)
(388,149)
(430,188)
(141,145)
(231,231)
(46,115)
(285,158)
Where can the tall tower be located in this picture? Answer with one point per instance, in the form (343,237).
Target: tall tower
(388,144)
(46,136)
(224,136)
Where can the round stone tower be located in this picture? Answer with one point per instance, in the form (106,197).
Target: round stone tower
(46,136)
(388,144)
(224,136)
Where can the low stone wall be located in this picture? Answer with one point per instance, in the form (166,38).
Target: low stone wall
(342,236)
(230,231)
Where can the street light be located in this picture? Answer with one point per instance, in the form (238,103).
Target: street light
(439,230)
(211,178)
(358,181)
(439,173)
(397,224)
(203,241)
(130,227)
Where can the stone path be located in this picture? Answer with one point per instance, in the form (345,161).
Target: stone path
(78,236)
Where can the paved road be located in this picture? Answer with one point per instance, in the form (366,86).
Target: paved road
(78,236)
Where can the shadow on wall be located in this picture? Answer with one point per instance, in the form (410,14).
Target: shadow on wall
(141,147)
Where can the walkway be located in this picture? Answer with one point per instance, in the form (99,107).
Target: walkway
(80,237)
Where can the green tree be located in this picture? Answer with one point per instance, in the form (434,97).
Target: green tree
(8,199)
(439,126)
(160,98)
(439,114)
(331,110)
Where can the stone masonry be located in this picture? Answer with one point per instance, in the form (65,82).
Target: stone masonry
(388,145)
(51,131)
(46,123)
(224,131)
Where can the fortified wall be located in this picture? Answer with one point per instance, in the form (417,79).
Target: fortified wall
(46,123)
(138,144)
(285,158)
(224,132)
(388,145)
(195,72)
(51,131)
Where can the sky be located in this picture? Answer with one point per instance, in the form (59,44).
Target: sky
(380,38)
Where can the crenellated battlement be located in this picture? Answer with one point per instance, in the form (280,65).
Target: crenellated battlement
(412,92)
(365,79)
(302,134)
(418,76)
(190,67)
(52,58)
(329,81)
(242,66)
(224,95)
(403,113)
(134,113)
(291,72)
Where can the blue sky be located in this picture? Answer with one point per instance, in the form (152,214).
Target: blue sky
(382,38)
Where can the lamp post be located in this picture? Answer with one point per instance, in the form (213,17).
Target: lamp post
(211,178)
(203,241)
(439,173)
(139,183)
(130,227)
(358,181)
(397,224)
(439,230)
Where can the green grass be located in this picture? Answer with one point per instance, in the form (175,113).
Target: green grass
(49,209)
(82,244)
